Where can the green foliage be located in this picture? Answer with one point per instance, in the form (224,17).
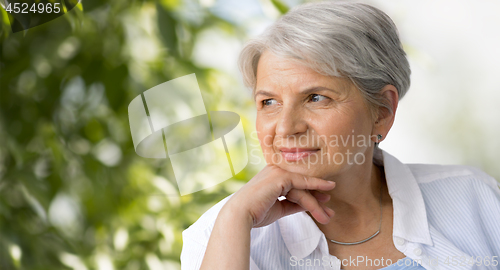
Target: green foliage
(280,6)
(65,86)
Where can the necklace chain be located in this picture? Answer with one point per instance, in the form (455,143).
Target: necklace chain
(373,235)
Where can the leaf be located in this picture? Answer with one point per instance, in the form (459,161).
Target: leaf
(280,6)
(167,25)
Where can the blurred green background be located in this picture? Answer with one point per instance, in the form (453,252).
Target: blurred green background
(75,195)
(73,192)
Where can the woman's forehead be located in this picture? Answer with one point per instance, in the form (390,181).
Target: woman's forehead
(274,71)
(269,64)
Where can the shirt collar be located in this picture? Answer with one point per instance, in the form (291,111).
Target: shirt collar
(410,216)
(301,235)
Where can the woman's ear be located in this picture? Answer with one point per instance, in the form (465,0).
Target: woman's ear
(386,115)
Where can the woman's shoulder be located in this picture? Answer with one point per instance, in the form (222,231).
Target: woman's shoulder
(461,199)
(457,192)
(202,228)
(434,174)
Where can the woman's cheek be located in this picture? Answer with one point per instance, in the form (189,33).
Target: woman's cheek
(267,149)
(266,153)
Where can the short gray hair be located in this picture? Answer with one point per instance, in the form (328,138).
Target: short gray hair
(341,39)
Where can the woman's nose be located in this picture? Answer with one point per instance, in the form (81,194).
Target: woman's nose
(290,122)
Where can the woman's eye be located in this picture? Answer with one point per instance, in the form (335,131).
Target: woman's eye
(269,102)
(317,98)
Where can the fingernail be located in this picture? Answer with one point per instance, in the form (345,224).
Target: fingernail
(330,212)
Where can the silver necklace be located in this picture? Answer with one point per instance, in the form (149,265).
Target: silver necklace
(375,234)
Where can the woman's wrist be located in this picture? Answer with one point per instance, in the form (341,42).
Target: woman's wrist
(229,244)
(231,214)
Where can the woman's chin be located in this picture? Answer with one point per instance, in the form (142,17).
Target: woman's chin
(315,170)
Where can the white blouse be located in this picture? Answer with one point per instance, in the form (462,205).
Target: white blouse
(445,217)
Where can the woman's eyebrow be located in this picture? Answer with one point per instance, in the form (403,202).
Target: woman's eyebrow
(317,88)
(264,93)
(303,92)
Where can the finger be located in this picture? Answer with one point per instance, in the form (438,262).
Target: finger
(309,203)
(321,197)
(298,181)
(289,207)
(328,211)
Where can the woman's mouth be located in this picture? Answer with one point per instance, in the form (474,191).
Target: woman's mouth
(294,154)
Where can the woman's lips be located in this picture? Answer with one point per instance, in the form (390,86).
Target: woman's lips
(294,154)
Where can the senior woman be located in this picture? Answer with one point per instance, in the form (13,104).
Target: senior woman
(327,78)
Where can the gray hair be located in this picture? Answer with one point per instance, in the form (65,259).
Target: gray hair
(341,39)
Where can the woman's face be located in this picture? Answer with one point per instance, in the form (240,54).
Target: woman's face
(309,123)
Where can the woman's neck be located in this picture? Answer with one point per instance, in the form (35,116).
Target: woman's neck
(355,200)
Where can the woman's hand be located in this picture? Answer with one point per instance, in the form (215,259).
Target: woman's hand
(256,204)
(259,197)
